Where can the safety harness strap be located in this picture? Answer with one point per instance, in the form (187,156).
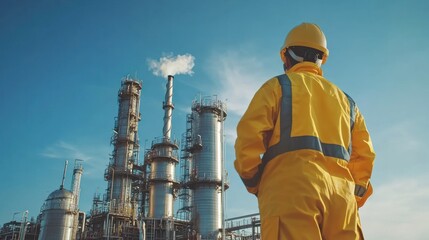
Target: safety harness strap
(288,143)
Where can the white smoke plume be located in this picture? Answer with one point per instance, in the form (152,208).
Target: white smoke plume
(172,65)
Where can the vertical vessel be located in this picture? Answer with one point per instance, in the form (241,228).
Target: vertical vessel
(114,216)
(119,173)
(163,158)
(207,177)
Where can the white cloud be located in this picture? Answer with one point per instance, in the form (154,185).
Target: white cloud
(184,109)
(399,143)
(397,210)
(95,157)
(403,135)
(230,134)
(64,150)
(239,76)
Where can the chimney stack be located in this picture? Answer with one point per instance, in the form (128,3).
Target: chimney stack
(168,108)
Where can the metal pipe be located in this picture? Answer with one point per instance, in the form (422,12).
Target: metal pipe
(142,231)
(83,214)
(168,108)
(64,174)
(13,226)
(105,225)
(223,176)
(111,186)
(253,229)
(23,225)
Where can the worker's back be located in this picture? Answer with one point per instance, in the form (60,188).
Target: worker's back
(319,108)
(306,161)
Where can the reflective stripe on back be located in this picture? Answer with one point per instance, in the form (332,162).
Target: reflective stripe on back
(288,143)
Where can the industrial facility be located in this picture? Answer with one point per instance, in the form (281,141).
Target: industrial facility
(141,195)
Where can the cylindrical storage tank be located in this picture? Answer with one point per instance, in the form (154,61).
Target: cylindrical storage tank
(58,216)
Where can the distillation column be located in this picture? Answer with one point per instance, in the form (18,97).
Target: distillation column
(207,178)
(119,173)
(114,215)
(163,158)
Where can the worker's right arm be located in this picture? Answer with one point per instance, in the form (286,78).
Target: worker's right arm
(362,159)
(254,131)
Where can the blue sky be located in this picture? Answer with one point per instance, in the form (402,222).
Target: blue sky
(61,64)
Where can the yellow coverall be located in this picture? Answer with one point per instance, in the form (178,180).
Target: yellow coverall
(303,148)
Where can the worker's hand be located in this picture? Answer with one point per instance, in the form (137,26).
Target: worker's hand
(361,200)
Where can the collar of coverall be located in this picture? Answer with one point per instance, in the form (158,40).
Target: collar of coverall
(306,67)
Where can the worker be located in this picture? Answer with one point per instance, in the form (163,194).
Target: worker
(303,148)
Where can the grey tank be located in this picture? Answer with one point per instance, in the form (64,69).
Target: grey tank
(58,215)
(208,116)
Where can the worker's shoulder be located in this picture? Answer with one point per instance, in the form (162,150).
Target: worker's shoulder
(279,79)
(272,82)
(351,101)
(292,78)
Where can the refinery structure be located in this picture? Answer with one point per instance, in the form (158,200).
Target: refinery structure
(141,194)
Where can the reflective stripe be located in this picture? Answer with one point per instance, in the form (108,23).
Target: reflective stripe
(360,190)
(352,105)
(288,143)
(352,111)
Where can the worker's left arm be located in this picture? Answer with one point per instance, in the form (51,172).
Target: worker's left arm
(253,133)
(362,159)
